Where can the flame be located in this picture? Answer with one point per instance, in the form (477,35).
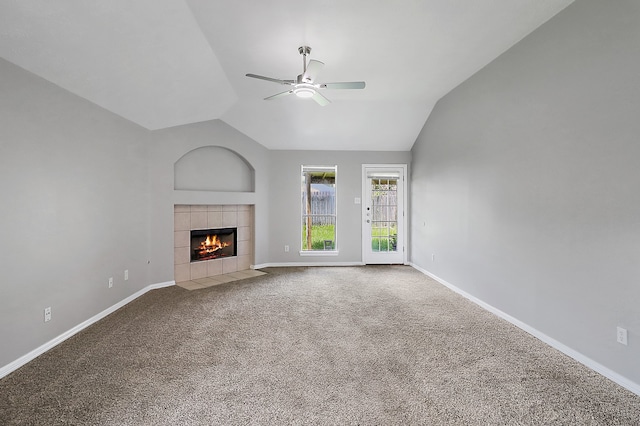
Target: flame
(211,245)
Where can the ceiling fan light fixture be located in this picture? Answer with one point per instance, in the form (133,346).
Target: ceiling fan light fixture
(304,92)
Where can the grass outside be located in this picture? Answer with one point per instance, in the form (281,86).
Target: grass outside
(384,239)
(384,243)
(319,233)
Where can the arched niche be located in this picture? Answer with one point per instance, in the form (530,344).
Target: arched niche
(213,168)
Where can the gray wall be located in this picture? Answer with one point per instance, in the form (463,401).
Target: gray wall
(526,183)
(284,201)
(73,181)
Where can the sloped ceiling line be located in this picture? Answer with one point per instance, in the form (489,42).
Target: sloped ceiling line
(164,63)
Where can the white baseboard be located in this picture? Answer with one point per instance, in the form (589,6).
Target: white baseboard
(582,359)
(294,264)
(64,336)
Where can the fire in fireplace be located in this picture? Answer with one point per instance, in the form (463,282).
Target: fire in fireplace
(209,244)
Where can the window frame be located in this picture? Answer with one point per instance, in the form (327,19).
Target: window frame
(303,215)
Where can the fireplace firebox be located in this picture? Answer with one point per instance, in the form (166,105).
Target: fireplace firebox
(207,244)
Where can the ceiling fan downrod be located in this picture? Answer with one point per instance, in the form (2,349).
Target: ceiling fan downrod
(304,51)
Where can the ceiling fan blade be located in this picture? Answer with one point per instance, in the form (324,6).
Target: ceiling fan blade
(275,80)
(345,85)
(321,100)
(279,95)
(313,69)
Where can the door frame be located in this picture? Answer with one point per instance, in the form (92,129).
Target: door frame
(363,212)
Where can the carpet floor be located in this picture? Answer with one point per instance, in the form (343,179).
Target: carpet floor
(374,345)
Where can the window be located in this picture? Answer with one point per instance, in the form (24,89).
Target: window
(318,196)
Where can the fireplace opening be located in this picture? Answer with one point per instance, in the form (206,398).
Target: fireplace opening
(207,244)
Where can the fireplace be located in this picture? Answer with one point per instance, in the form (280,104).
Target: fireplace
(212,217)
(207,244)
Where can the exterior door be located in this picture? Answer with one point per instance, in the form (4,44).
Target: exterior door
(383,220)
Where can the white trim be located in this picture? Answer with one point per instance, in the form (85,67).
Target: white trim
(582,359)
(294,264)
(12,366)
(319,253)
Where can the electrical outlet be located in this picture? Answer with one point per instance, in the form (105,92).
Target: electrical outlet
(622,335)
(286,249)
(126,274)
(47,314)
(110,282)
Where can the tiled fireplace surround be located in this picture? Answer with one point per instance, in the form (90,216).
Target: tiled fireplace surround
(188,217)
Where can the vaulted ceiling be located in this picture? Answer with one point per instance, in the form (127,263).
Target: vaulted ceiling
(164,63)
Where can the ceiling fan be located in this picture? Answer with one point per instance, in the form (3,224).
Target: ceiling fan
(305,86)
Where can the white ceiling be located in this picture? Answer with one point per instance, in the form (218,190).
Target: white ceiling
(163,63)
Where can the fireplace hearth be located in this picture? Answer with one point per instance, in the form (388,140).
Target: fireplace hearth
(207,244)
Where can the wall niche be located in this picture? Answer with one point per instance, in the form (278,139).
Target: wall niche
(213,168)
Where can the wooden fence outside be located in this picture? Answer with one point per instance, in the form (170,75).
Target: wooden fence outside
(323,207)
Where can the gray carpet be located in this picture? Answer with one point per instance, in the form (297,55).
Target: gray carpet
(373,345)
